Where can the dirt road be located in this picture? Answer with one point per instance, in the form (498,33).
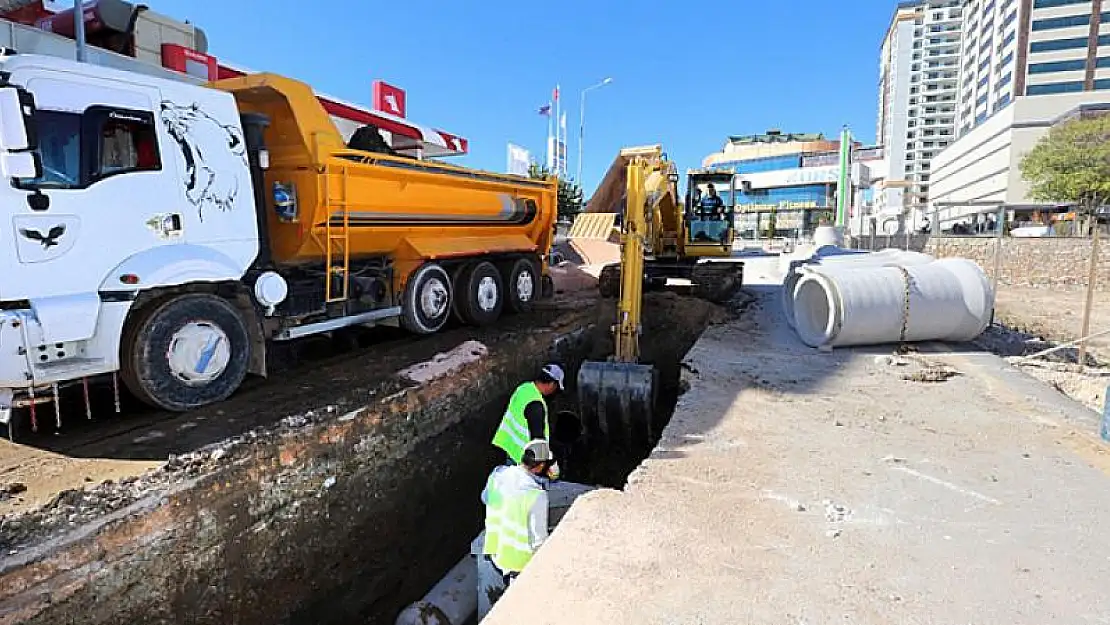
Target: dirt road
(794,486)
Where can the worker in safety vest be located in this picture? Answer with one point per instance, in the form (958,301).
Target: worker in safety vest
(526,417)
(516,521)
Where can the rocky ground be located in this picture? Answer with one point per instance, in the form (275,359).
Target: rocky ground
(1030,320)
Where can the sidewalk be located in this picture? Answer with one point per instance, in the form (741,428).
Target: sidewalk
(794,486)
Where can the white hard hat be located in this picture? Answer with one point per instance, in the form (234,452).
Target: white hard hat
(555,372)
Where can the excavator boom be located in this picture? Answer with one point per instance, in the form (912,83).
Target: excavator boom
(617,397)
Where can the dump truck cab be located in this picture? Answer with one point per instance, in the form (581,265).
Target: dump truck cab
(709,229)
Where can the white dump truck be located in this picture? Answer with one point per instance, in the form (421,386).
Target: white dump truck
(167,232)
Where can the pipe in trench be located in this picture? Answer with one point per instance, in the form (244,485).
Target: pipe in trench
(842,262)
(949,299)
(454,599)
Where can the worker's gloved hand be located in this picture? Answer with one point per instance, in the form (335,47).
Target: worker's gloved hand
(553,472)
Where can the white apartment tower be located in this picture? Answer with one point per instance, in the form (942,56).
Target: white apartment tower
(919,72)
(1016,48)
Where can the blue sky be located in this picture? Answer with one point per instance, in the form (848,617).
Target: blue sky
(685,74)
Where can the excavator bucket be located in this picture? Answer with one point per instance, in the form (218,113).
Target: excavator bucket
(617,401)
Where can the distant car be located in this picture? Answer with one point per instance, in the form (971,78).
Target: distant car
(1033,231)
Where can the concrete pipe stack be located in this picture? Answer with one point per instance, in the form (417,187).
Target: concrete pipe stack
(839,299)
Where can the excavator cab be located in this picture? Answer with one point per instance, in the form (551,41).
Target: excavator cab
(710,225)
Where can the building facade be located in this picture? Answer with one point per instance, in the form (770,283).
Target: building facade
(793,182)
(1025,65)
(918,82)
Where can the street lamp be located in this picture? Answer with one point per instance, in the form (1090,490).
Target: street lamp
(582,125)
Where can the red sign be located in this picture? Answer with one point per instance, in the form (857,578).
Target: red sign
(191,62)
(389,99)
(62,23)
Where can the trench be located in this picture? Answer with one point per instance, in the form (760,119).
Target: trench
(451,488)
(340,523)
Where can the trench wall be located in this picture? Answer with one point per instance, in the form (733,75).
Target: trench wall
(343,520)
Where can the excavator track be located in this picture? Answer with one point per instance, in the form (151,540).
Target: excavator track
(715,282)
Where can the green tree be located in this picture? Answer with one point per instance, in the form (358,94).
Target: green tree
(1071,164)
(570,194)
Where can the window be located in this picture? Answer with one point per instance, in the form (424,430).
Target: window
(981,100)
(1102,62)
(1055,87)
(1002,102)
(1005,80)
(1061,22)
(1058,66)
(1045,4)
(78,150)
(1102,84)
(1060,44)
(127,143)
(59,136)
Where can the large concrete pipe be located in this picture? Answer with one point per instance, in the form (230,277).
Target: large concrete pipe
(949,299)
(844,262)
(453,601)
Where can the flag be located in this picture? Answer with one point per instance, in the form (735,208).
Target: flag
(545,110)
(563,125)
(555,93)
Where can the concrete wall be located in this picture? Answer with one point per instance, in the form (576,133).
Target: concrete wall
(1050,262)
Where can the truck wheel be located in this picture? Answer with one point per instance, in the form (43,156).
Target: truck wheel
(483,294)
(185,352)
(427,300)
(458,286)
(522,286)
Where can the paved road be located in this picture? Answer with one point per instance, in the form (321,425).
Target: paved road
(794,486)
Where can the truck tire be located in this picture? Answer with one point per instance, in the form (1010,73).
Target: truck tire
(459,274)
(483,294)
(426,303)
(185,352)
(522,286)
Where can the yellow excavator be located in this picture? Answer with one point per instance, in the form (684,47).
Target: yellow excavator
(683,240)
(617,397)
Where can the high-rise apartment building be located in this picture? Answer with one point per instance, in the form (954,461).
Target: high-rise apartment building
(918,81)
(1015,48)
(1025,65)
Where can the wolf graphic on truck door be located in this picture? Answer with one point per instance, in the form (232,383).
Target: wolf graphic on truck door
(213,156)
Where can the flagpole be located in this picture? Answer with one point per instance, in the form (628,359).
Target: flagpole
(558,107)
(547,146)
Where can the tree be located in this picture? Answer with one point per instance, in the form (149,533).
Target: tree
(1071,164)
(570,194)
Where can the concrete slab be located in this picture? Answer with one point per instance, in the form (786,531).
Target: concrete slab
(794,486)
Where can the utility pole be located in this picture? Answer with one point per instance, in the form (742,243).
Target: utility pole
(79,29)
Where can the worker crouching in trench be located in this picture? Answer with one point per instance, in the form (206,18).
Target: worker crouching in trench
(516,520)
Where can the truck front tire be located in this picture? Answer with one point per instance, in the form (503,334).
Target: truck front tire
(185,352)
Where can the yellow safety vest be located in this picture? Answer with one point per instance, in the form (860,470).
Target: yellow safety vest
(506,540)
(512,434)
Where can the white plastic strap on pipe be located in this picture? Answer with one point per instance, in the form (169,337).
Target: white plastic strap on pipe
(949,299)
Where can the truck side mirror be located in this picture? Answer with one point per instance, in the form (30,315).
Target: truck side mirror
(17,115)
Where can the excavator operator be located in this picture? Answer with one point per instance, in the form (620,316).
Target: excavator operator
(711,205)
